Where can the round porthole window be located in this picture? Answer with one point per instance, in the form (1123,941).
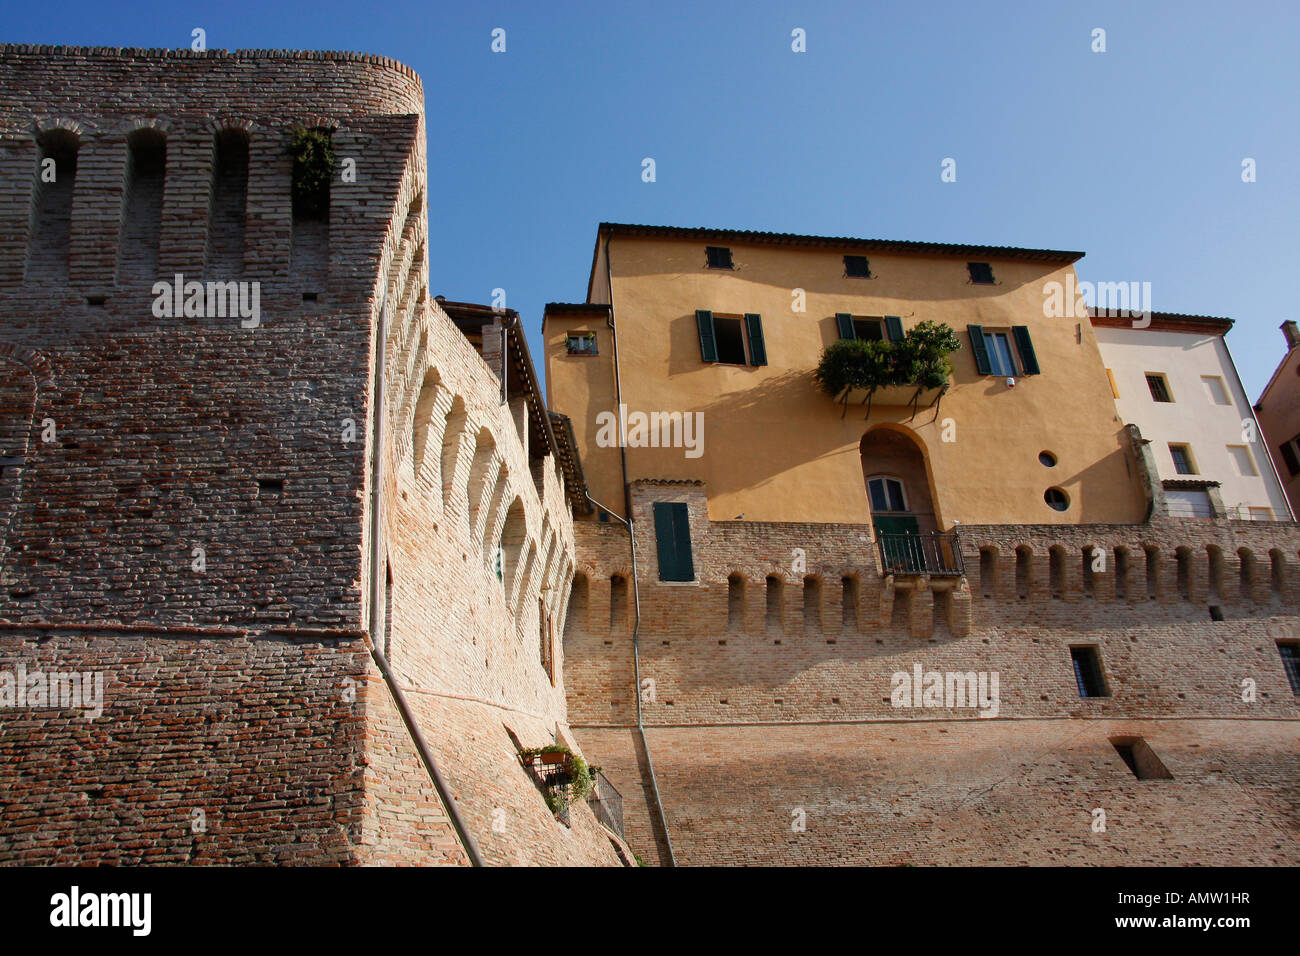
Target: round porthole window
(1056,499)
(1047,459)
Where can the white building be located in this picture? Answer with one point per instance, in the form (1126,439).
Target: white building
(1176,381)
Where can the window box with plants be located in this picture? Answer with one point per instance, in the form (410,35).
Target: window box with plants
(561,775)
(913,371)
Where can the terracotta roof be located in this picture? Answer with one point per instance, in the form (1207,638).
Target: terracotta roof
(1166,322)
(841,242)
(566,453)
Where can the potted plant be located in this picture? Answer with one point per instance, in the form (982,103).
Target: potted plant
(903,372)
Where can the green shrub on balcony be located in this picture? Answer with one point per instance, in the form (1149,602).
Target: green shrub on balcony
(919,361)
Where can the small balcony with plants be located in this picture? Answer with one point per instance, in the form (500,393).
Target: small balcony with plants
(912,372)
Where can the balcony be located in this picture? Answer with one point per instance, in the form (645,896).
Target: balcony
(931,552)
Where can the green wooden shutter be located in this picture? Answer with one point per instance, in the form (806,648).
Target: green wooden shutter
(673,537)
(708,343)
(757,350)
(893,328)
(845,323)
(977,346)
(1025,346)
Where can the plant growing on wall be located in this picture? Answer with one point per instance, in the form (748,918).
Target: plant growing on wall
(919,360)
(313,168)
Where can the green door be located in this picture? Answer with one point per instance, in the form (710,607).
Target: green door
(900,543)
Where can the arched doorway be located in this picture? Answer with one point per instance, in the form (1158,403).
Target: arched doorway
(897,478)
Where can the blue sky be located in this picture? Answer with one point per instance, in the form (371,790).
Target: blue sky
(1133,155)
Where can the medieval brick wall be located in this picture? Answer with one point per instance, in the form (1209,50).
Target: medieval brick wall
(723,663)
(186,498)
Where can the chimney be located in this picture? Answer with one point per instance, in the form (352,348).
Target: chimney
(1292,334)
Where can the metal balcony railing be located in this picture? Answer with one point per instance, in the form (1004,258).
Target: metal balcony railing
(932,552)
(607,803)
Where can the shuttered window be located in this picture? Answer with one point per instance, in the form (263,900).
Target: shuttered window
(857,267)
(979,349)
(850,327)
(757,349)
(1025,346)
(894,328)
(708,341)
(995,355)
(673,537)
(723,338)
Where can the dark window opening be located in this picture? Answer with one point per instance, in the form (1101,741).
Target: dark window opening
(981,273)
(1056,499)
(857,267)
(1182,456)
(1291,664)
(1159,387)
(1140,759)
(1216,612)
(269,487)
(1290,455)
(1047,459)
(1087,672)
(731,340)
(719,257)
(868,329)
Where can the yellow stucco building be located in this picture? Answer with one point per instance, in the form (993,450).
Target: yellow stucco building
(708,340)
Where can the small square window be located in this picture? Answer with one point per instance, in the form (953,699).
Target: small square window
(981,273)
(1087,672)
(719,257)
(1182,456)
(1159,386)
(581,343)
(1241,457)
(1214,385)
(857,267)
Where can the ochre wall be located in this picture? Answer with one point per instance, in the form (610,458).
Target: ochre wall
(777,449)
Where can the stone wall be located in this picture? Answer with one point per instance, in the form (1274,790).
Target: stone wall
(723,664)
(186,499)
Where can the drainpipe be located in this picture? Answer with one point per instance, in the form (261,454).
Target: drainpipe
(376,598)
(636,587)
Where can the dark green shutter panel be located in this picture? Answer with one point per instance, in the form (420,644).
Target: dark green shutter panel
(673,537)
(1025,346)
(893,328)
(708,344)
(845,323)
(976,333)
(757,350)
